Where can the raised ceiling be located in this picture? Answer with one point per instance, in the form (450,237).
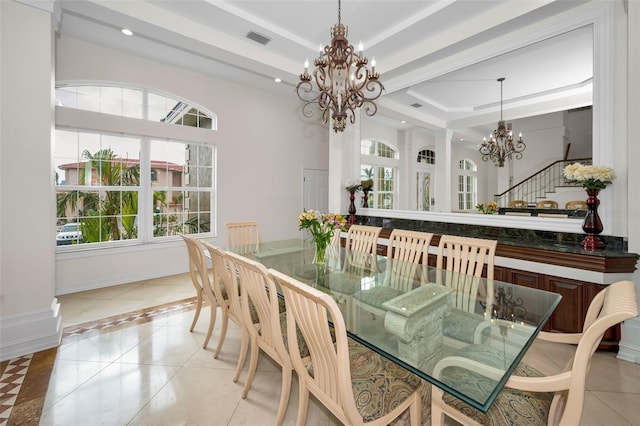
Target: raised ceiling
(444,55)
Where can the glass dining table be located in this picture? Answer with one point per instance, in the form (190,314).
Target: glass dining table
(431,321)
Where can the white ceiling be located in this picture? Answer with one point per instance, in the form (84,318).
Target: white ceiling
(445,55)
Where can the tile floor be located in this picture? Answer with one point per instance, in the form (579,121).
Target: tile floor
(155,372)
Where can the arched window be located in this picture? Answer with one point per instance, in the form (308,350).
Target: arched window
(379,165)
(134,103)
(427,156)
(467,184)
(113,187)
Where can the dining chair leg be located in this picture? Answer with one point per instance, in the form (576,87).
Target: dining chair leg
(198,308)
(253,365)
(212,323)
(303,404)
(223,333)
(437,415)
(284,394)
(244,348)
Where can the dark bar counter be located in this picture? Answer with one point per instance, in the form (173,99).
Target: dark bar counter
(559,248)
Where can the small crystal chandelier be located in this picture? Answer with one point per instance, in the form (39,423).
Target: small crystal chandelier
(343,81)
(500,145)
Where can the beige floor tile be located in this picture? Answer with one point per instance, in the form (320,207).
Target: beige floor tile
(113,396)
(597,413)
(626,405)
(67,376)
(193,396)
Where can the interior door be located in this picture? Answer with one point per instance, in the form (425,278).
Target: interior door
(423,191)
(315,190)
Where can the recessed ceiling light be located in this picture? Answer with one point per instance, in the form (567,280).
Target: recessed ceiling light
(404,122)
(127,31)
(277,80)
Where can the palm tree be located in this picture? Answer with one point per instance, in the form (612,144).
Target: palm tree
(115,210)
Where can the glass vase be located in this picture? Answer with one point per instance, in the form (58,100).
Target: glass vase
(320,256)
(592,224)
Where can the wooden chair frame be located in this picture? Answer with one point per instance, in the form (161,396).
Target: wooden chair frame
(243,234)
(224,277)
(309,311)
(259,290)
(465,261)
(200,279)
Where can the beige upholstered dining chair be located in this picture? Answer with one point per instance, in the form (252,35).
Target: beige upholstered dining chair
(258,289)
(405,251)
(464,259)
(227,293)
(354,383)
(547,204)
(518,204)
(242,236)
(200,279)
(363,238)
(529,397)
(576,205)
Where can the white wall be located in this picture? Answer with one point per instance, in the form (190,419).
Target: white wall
(29,312)
(261,153)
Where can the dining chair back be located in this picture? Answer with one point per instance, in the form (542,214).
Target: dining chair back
(363,238)
(227,293)
(200,279)
(406,250)
(547,204)
(259,292)
(242,237)
(377,398)
(464,260)
(518,204)
(576,205)
(529,397)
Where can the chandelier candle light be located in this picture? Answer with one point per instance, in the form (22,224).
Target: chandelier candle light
(500,145)
(593,179)
(342,79)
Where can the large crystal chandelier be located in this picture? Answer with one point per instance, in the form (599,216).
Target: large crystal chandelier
(500,145)
(343,81)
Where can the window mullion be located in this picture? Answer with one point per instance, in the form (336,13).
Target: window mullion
(145,211)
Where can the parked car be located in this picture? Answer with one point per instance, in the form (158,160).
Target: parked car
(70,233)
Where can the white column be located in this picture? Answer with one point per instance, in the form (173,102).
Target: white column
(344,163)
(630,341)
(29,312)
(444,171)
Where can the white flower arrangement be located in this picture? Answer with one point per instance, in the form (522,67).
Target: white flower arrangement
(591,177)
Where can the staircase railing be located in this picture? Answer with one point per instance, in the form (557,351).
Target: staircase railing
(539,184)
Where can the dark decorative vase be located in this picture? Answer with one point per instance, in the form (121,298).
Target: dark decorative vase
(352,207)
(365,199)
(592,224)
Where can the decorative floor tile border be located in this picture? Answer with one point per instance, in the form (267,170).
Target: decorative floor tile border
(14,371)
(10,383)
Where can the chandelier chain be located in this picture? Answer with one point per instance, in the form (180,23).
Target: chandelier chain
(501,146)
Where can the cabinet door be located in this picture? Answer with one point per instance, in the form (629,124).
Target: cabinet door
(569,315)
(525,278)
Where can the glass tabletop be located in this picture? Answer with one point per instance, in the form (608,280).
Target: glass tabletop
(464,334)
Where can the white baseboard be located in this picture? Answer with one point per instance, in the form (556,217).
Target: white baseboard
(32,332)
(630,341)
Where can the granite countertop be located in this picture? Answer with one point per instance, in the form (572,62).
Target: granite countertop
(563,242)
